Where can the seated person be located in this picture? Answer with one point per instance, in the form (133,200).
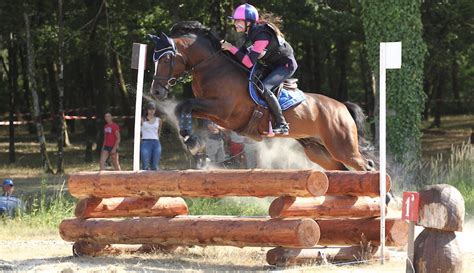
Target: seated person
(8,203)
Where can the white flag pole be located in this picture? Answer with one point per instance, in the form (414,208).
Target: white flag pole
(382,148)
(390,58)
(138,106)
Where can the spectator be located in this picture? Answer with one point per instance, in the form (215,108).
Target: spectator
(7,187)
(236,148)
(215,143)
(251,153)
(8,203)
(150,147)
(111,143)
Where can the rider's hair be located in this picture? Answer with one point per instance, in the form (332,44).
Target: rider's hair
(273,20)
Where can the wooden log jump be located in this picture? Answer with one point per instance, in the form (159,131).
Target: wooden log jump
(325,207)
(218,183)
(198,230)
(198,183)
(130,207)
(353,231)
(355,183)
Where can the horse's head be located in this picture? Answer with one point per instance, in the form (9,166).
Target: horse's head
(168,65)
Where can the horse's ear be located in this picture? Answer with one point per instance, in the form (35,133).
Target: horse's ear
(155,39)
(164,36)
(170,41)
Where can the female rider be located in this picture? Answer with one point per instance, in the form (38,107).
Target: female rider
(268,47)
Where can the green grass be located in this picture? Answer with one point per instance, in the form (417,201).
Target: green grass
(41,215)
(47,203)
(228,206)
(455,168)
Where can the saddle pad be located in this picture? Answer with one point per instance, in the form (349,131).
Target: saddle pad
(286,99)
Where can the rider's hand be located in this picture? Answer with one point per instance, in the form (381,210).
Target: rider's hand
(226,45)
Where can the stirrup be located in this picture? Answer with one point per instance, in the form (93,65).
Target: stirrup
(282,129)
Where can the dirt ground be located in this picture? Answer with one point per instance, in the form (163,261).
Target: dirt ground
(51,254)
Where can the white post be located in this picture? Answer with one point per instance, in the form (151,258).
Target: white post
(138,107)
(382,147)
(390,57)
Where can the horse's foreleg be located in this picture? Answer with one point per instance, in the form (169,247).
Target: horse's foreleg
(184,113)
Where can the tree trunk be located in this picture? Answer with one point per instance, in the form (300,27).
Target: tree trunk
(51,79)
(60,87)
(194,230)
(13,79)
(342,54)
(355,231)
(197,183)
(36,109)
(375,125)
(130,207)
(355,183)
(27,91)
(437,251)
(91,85)
(455,80)
(441,207)
(325,207)
(369,96)
(125,97)
(440,91)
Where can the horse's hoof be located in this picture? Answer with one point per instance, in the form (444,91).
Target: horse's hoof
(193,145)
(183,132)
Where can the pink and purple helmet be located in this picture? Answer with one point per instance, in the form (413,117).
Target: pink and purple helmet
(245,12)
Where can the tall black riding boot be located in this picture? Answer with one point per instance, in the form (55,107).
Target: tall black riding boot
(281,127)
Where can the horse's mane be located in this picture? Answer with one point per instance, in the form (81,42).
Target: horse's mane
(195,27)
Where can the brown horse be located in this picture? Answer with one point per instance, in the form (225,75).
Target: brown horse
(325,127)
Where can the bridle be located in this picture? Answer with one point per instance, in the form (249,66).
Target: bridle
(172,52)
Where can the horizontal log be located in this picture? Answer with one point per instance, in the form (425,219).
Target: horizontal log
(325,207)
(198,183)
(194,230)
(281,256)
(354,231)
(355,183)
(87,248)
(130,207)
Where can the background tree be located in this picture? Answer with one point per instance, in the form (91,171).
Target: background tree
(389,21)
(335,42)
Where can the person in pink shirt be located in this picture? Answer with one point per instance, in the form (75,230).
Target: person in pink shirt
(111,143)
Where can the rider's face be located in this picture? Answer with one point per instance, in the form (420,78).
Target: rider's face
(239,25)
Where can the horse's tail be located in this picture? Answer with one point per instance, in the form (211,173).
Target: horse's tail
(365,147)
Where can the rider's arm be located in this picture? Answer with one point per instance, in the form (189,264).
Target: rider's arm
(249,59)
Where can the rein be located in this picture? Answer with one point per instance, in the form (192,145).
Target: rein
(172,81)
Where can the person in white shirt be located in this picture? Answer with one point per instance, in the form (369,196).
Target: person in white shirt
(150,146)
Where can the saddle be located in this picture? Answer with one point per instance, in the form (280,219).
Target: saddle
(259,73)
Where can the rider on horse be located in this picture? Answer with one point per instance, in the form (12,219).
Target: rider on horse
(270,48)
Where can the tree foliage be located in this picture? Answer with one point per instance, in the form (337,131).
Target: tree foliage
(334,42)
(390,21)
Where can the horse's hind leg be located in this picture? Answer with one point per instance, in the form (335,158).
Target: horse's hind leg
(317,153)
(346,151)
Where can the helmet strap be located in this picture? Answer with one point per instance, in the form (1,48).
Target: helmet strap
(247,27)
